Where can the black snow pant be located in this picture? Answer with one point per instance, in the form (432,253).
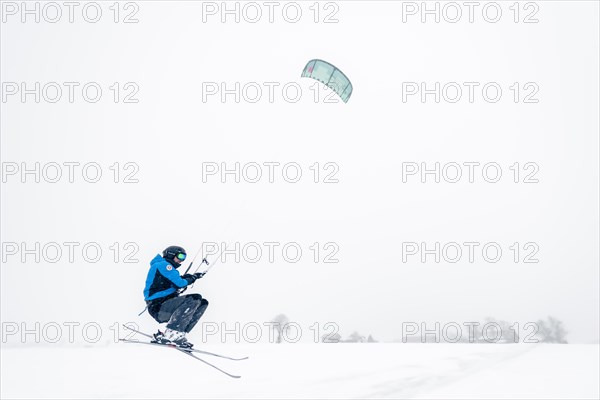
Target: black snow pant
(182,312)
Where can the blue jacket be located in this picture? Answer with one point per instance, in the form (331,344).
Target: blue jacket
(162,280)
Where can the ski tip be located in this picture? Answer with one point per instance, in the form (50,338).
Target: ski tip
(129,340)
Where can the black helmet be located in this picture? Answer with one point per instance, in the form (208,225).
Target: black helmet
(174,251)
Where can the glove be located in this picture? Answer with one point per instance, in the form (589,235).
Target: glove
(190,278)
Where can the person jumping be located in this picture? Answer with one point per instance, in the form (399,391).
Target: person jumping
(162,296)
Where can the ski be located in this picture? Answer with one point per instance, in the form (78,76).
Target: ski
(208,353)
(207,363)
(136,331)
(186,351)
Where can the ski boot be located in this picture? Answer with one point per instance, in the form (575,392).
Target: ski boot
(172,337)
(158,337)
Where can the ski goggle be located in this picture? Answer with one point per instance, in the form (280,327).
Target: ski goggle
(181,256)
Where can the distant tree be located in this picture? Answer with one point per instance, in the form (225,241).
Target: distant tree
(370,339)
(510,333)
(559,333)
(499,330)
(280,326)
(331,338)
(551,330)
(355,337)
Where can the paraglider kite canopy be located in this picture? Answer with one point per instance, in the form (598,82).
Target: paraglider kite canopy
(332,77)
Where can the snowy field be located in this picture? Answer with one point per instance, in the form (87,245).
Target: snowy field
(306,371)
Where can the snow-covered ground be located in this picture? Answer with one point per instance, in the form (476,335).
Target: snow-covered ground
(379,370)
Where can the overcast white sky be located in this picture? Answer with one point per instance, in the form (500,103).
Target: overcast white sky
(170,132)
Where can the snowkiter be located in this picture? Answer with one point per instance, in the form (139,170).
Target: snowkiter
(161,293)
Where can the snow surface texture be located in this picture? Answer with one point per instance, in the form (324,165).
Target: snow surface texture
(346,370)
